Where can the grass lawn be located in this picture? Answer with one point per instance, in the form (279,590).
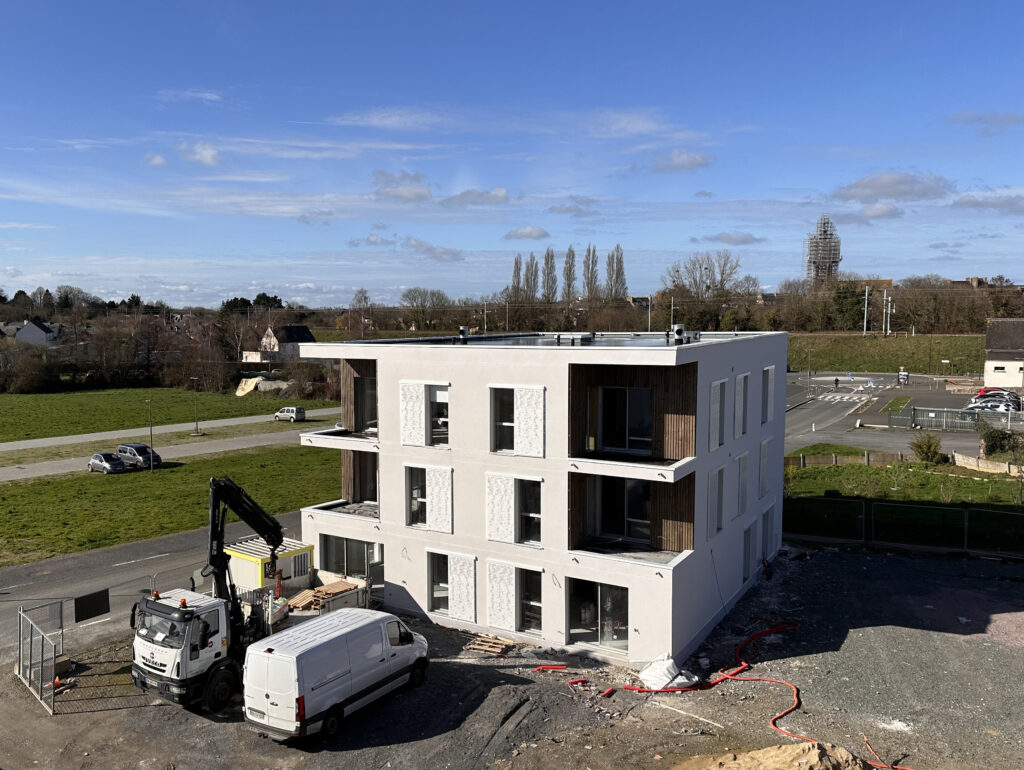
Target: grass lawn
(874,353)
(896,405)
(827,449)
(39,415)
(78,512)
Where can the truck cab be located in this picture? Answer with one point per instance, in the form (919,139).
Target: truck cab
(181,648)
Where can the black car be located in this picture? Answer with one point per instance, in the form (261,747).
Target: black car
(106,462)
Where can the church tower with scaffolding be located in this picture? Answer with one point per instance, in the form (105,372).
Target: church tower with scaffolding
(822,250)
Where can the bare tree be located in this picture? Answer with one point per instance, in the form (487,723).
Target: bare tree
(530,279)
(360,305)
(705,275)
(569,277)
(516,289)
(591,282)
(615,275)
(549,277)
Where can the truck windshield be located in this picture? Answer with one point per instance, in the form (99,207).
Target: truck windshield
(161,630)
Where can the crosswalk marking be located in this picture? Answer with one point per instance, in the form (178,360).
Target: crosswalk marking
(855,397)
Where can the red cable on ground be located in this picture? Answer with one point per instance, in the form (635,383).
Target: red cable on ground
(741,666)
(549,668)
(577,681)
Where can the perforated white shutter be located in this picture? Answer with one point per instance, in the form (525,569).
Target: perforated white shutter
(501,595)
(501,503)
(462,587)
(413,413)
(529,422)
(713,417)
(439,499)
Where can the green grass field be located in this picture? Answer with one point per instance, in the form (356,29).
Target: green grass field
(55,515)
(913,481)
(922,354)
(827,449)
(41,415)
(895,405)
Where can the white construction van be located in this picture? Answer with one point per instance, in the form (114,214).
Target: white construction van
(306,679)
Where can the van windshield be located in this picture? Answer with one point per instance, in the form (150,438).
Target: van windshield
(160,630)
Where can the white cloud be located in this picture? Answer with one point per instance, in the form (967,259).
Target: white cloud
(471,197)
(200,152)
(703,194)
(681,160)
(897,186)
(734,239)
(881,211)
(379,226)
(988,123)
(155,159)
(438,253)
(25,226)
(405,186)
(202,95)
(392,119)
(1003,203)
(529,232)
(247,176)
(620,124)
(944,245)
(371,240)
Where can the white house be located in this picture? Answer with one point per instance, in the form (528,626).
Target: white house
(612,494)
(1004,353)
(281,344)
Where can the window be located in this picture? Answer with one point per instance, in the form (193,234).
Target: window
(716,418)
(416,496)
(598,614)
(437,419)
(742,482)
(437,566)
(627,423)
(762,475)
(739,417)
(528,511)
(1000,368)
(716,488)
(529,601)
(300,564)
(366,404)
(395,636)
(503,415)
(347,556)
(767,394)
(625,507)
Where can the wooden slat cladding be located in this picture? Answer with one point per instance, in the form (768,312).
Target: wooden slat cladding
(672,515)
(350,369)
(348,475)
(674,404)
(577,509)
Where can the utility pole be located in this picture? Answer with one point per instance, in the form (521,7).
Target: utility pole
(866,310)
(506,315)
(649,298)
(892,305)
(885,305)
(485,318)
(672,313)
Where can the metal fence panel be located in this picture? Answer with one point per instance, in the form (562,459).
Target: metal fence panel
(927,525)
(995,531)
(824,517)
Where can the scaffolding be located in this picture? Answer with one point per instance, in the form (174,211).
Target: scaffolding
(822,249)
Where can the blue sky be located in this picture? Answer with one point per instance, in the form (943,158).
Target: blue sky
(192,152)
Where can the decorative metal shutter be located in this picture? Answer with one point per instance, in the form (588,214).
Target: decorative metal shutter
(529,422)
(501,595)
(413,415)
(501,503)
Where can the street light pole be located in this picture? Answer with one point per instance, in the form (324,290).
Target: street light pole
(149,402)
(195,404)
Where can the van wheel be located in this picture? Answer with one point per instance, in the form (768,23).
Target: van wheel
(220,689)
(292,419)
(418,674)
(331,726)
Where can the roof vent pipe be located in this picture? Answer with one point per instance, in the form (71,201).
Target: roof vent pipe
(464,334)
(677,334)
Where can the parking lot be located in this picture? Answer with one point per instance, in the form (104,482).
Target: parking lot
(919,654)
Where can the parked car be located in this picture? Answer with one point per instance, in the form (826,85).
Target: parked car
(138,456)
(1009,398)
(992,406)
(990,391)
(291,413)
(106,462)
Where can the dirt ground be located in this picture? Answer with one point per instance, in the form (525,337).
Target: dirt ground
(922,655)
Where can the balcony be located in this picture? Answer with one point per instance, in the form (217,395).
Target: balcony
(366,510)
(342,438)
(632,421)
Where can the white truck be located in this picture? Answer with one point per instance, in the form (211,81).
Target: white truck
(306,679)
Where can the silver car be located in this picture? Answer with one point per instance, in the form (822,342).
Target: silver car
(106,462)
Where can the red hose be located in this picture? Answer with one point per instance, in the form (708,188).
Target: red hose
(577,681)
(741,666)
(549,668)
(608,693)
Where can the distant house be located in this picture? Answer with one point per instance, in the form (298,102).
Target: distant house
(1004,353)
(278,345)
(31,333)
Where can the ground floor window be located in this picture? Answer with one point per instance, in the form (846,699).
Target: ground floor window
(350,557)
(437,567)
(598,614)
(528,592)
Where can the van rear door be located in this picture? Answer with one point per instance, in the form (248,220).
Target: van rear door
(270,690)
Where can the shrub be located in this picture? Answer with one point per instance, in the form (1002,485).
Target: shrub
(928,448)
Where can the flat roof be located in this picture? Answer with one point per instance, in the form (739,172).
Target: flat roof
(665,339)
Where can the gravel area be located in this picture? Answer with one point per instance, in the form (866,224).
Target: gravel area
(922,655)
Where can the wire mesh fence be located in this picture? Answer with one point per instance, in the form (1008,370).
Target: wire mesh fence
(40,642)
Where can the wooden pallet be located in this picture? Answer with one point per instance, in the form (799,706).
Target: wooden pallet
(488,646)
(302,600)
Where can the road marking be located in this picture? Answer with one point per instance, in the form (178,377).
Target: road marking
(685,714)
(136,561)
(8,588)
(83,625)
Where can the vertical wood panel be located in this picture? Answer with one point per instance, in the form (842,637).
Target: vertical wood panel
(348,474)
(672,515)
(348,395)
(577,509)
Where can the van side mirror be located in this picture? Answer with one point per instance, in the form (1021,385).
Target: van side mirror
(132,618)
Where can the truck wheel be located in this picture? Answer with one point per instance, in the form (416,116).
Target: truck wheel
(220,689)
(331,725)
(418,674)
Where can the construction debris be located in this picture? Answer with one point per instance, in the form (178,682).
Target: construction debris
(489,645)
(313,598)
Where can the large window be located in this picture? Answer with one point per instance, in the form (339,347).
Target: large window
(767,394)
(416,496)
(503,416)
(346,556)
(716,416)
(528,591)
(625,508)
(437,566)
(598,614)
(716,489)
(742,482)
(627,423)
(437,419)
(528,511)
(366,404)
(739,427)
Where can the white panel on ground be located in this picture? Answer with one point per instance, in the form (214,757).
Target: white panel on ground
(501,502)
(501,595)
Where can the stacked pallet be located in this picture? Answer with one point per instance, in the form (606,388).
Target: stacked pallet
(313,599)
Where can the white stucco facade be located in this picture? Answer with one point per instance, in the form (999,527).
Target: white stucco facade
(630,604)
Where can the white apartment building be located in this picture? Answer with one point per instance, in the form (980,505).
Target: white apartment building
(612,494)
